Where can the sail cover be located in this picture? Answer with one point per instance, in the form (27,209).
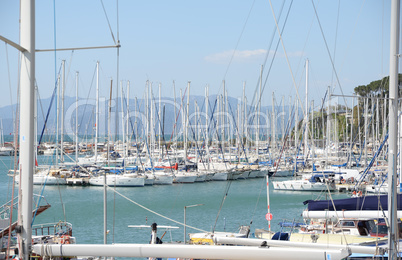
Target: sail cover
(358,203)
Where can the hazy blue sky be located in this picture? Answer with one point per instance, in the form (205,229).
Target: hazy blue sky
(194,41)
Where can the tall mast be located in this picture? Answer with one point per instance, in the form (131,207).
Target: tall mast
(159,121)
(223,118)
(97,112)
(296,125)
(273,122)
(105,175)
(57,120)
(207,122)
(63,87)
(306,116)
(122,125)
(147,110)
(258,115)
(393,130)
(76,117)
(27,79)
(127,118)
(283,120)
(243,118)
(175,119)
(186,124)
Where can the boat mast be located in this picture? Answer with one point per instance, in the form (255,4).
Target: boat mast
(76,117)
(122,126)
(393,131)
(128,137)
(160,123)
(175,122)
(258,116)
(27,79)
(97,113)
(2,134)
(57,119)
(306,118)
(63,87)
(207,124)
(186,124)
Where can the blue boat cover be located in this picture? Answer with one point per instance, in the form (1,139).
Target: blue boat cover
(358,203)
(340,165)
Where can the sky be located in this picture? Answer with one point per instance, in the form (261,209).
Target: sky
(204,42)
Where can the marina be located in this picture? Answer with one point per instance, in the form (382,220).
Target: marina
(198,176)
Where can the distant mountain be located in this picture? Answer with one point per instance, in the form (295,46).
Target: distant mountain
(138,115)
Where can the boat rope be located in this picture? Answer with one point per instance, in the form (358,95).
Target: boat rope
(178,114)
(267,54)
(284,140)
(286,55)
(238,41)
(238,135)
(336,212)
(153,212)
(85,106)
(9,79)
(222,202)
(252,106)
(48,111)
(107,19)
(329,53)
(336,37)
(371,163)
(17,112)
(54,41)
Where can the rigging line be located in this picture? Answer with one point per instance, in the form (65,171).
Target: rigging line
(117,21)
(353,33)
(222,202)
(54,35)
(178,114)
(336,36)
(38,99)
(69,68)
(89,92)
(238,135)
(304,48)
(336,212)
(329,53)
(238,41)
(151,211)
(284,141)
(117,87)
(16,136)
(9,79)
(286,55)
(263,184)
(107,19)
(274,53)
(54,97)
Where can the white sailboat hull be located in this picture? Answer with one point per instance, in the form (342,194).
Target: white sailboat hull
(118,181)
(49,180)
(163,179)
(220,176)
(302,185)
(184,178)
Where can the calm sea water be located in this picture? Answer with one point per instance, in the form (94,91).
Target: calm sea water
(246,203)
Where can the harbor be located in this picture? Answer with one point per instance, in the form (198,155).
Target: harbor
(201,171)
